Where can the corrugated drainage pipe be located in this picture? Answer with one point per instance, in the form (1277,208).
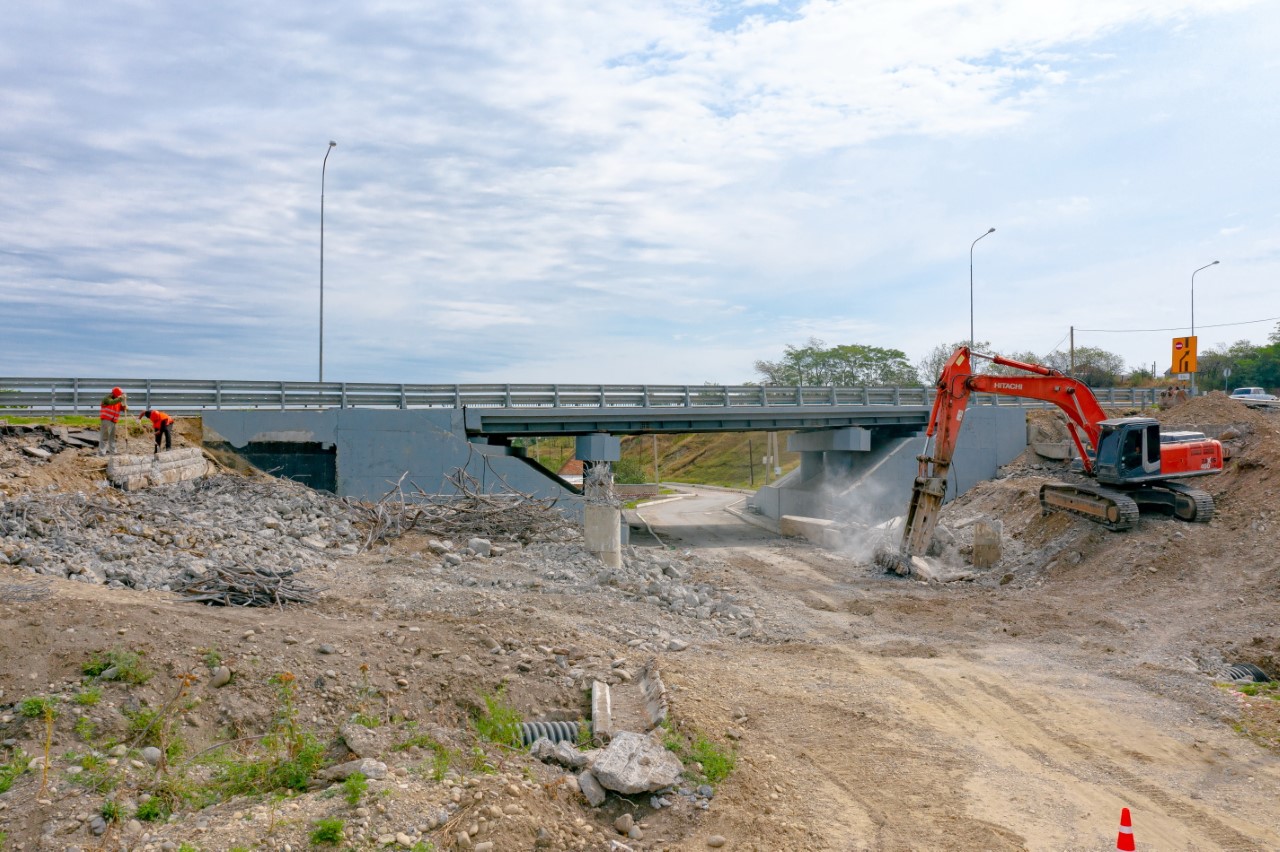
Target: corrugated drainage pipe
(557,732)
(1247,671)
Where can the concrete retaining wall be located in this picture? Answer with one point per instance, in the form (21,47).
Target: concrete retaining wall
(132,472)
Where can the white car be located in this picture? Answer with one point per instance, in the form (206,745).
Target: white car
(1252,394)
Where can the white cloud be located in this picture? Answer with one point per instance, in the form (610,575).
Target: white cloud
(630,171)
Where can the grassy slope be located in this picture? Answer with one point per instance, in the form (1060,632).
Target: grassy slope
(705,458)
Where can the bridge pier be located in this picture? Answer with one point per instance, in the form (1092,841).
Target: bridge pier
(865,474)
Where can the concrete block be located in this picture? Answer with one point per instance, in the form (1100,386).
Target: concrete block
(812,529)
(986,545)
(602,533)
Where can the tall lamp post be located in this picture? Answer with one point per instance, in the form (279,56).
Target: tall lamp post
(323,166)
(971,245)
(1193,314)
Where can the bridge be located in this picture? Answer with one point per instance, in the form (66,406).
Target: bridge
(355,438)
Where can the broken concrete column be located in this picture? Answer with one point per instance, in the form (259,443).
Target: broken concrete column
(986,544)
(602,533)
(131,472)
(601,711)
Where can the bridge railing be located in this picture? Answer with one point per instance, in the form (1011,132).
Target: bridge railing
(45,396)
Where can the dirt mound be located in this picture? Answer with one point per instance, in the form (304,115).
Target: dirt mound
(1232,562)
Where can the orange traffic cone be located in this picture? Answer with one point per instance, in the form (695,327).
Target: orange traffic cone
(1124,841)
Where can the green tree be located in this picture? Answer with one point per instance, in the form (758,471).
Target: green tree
(931,367)
(1213,363)
(1093,366)
(849,365)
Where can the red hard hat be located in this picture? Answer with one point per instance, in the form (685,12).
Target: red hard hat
(116,391)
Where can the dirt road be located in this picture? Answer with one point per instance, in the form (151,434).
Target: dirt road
(894,715)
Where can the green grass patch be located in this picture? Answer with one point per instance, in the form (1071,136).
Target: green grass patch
(10,771)
(366,720)
(37,706)
(152,810)
(117,665)
(480,761)
(1259,707)
(327,832)
(442,758)
(85,729)
(88,697)
(284,766)
(354,787)
(500,721)
(78,420)
(111,811)
(703,759)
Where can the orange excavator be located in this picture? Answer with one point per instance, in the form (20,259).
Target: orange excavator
(1132,464)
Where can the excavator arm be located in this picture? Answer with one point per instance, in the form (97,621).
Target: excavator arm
(955,386)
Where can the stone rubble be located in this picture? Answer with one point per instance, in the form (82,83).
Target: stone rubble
(156,538)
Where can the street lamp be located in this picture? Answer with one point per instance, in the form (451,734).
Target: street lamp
(323,166)
(974,243)
(1193,315)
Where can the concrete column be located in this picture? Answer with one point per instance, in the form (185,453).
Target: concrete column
(810,466)
(602,532)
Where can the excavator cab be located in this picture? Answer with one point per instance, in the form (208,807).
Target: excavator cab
(1128,450)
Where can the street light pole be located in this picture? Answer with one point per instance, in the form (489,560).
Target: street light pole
(323,166)
(971,245)
(1193,315)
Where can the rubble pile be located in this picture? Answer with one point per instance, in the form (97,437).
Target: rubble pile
(170,535)
(663,579)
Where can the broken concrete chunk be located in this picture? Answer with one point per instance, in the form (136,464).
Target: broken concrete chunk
(986,545)
(37,453)
(592,789)
(562,753)
(635,763)
(362,741)
(367,766)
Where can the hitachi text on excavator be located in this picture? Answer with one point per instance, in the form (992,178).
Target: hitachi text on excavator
(1132,464)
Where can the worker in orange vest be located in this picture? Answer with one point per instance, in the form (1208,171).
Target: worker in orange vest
(108,416)
(163,424)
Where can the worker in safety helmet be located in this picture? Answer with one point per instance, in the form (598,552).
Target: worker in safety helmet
(108,416)
(163,424)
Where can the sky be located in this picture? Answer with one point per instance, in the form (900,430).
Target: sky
(656,191)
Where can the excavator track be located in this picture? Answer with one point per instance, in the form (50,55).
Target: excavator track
(1114,510)
(1190,503)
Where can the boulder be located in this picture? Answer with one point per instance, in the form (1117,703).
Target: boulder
(367,766)
(635,763)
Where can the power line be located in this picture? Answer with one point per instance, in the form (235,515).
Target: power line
(1175,328)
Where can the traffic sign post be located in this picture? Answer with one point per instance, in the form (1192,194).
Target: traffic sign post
(1184,355)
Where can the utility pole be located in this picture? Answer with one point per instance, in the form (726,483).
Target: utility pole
(1072,371)
(656,478)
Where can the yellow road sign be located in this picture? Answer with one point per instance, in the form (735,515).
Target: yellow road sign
(1184,355)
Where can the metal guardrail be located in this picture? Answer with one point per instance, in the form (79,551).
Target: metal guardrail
(42,396)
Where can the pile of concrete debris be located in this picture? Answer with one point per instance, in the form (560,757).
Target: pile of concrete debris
(41,442)
(160,537)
